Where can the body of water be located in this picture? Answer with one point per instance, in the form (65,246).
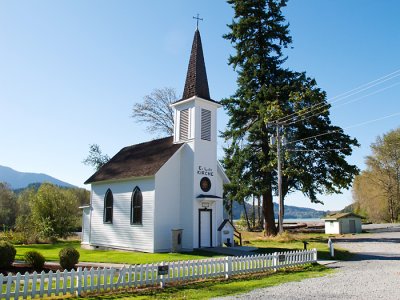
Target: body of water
(305,220)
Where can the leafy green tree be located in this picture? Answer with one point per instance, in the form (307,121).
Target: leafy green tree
(24,223)
(8,206)
(268,92)
(368,198)
(54,211)
(27,225)
(24,199)
(83,196)
(96,158)
(377,189)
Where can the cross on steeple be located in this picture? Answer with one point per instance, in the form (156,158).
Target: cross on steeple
(197,18)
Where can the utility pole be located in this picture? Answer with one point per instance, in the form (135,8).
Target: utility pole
(278,146)
(278,140)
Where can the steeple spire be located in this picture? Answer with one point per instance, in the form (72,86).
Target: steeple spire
(196,79)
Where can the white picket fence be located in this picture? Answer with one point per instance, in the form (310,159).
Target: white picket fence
(103,279)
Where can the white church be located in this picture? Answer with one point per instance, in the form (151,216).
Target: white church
(169,191)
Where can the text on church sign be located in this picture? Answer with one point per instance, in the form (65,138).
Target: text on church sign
(205,171)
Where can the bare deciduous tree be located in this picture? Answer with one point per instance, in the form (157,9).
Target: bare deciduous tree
(155,111)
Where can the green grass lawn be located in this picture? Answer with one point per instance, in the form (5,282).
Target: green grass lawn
(294,241)
(218,288)
(50,252)
(286,242)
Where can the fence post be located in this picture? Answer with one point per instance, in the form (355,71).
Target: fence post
(315,255)
(228,266)
(162,283)
(1,285)
(78,282)
(331,249)
(8,286)
(275,261)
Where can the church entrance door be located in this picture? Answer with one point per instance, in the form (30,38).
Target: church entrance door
(205,225)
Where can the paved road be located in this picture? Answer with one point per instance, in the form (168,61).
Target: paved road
(374,273)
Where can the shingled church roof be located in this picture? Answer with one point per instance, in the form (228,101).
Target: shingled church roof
(139,160)
(196,79)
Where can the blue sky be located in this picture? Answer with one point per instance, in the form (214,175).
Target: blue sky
(70,72)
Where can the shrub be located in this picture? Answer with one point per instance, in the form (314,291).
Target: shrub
(27,231)
(69,257)
(14,237)
(35,259)
(7,254)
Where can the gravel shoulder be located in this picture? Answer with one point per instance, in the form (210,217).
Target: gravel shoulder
(373,274)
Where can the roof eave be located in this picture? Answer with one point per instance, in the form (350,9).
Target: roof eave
(208,101)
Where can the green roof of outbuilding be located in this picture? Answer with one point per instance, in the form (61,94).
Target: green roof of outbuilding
(338,216)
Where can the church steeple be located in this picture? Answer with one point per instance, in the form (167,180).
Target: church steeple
(195,116)
(196,79)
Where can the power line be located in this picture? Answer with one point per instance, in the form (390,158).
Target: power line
(370,94)
(342,104)
(374,120)
(345,95)
(341,97)
(351,126)
(316,150)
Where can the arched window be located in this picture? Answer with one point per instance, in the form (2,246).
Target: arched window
(136,207)
(108,207)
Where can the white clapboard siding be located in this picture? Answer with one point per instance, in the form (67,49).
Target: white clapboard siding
(121,234)
(167,208)
(96,279)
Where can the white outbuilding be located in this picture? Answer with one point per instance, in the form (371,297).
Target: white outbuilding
(340,223)
(150,193)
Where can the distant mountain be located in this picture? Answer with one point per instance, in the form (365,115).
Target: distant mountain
(348,208)
(18,180)
(291,212)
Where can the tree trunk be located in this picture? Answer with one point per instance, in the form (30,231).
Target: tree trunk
(268,209)
(260,215)
(268,205)
(246,216)
(254,212)
(285,190)
(231,212)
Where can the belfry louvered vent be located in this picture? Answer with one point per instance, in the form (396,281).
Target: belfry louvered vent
(205,125)
(184,125)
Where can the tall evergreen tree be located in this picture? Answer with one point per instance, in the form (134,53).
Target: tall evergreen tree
(314,160)
(268,92)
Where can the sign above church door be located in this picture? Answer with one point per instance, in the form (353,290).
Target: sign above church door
(205,171)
